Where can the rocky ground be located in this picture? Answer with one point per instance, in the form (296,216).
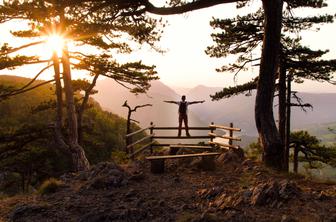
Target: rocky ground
(236,190)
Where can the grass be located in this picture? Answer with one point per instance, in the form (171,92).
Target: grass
(120,157)
(49,186)
(245,180)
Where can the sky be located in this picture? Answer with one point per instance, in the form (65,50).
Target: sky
(185,64)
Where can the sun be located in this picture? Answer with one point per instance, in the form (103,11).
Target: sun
(55,43)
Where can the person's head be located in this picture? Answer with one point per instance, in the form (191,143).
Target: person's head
(183,98)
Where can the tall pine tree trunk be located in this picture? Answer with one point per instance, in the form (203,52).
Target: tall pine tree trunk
(268,133)
(288,116)
(59,106)
(79,159)
(282,109)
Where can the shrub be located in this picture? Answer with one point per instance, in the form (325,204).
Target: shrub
(119,157)
(254,151)
(49,186)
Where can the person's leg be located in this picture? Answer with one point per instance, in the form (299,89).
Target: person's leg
(185,118)
(180,125)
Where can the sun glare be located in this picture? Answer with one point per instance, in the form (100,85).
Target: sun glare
(55,43)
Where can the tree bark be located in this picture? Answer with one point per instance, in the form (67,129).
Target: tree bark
(59,105)
(288,116)
(191,6)
(59,97)
(79,159)
(282,109)
(82,108)
(268,133)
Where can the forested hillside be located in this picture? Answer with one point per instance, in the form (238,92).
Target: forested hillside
(27,147)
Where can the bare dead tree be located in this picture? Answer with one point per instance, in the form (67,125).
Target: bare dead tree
(128,127)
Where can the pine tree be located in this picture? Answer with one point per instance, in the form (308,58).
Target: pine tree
(243,36)
(90,27)
(312,149)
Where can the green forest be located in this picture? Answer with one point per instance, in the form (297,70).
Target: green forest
(29,153)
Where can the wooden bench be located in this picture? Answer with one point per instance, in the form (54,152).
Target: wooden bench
(175,147)
(157,162)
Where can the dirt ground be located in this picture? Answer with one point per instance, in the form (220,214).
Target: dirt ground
(243,191)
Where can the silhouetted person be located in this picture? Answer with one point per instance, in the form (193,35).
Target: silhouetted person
(183,113)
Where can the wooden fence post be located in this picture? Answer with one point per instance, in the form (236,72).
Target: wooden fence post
(212,130)
(151,130)
(231,134)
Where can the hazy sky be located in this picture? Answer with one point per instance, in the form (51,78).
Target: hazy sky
(186,65)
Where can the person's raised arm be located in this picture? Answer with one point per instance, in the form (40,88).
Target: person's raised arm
(194,102)
(169,101)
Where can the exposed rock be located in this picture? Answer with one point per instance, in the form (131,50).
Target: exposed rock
(22,211)
(130,193)
(286,218)
(137,177)
(210,193)
(247,195)
(204,163)
(330,218)
(322,196)
(272,192)
(105,175)
(232,156)
(105,168)
(248,164)
(106,182)
(208,217)
(238,216)
(226,201)
(132,214)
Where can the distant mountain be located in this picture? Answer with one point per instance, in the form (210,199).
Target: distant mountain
(237,109)
(112,96)
(240,109)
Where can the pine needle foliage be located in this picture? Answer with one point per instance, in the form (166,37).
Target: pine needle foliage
(312,149)
(242,36)
(106,30)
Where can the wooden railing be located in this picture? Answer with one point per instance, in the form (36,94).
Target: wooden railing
(211,135)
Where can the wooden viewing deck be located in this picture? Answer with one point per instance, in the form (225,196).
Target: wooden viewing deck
(204,151)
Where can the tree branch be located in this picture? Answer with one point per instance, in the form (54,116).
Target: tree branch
(300,104)
(4,96)
(135,108)
(33,80)
(21,47)
(195,5)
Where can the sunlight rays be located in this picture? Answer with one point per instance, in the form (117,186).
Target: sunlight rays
(55,43)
